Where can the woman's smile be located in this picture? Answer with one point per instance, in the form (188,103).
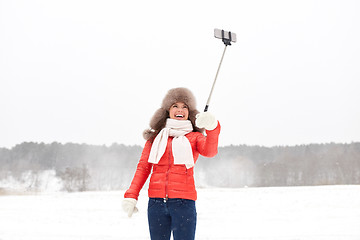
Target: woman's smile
(179,111)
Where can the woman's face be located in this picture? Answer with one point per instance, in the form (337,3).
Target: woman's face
(179,111)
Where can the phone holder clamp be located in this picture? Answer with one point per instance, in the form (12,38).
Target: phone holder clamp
(226,41)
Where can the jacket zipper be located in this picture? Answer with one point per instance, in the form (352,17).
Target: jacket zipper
(167,174)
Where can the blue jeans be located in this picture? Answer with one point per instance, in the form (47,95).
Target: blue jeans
(175,215)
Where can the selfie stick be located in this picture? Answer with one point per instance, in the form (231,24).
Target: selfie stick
(227,41)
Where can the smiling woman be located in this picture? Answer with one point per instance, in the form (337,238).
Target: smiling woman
(174,143)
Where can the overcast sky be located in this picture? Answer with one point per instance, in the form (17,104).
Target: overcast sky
(91,71)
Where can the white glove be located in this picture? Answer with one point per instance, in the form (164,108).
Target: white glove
(206,120)
(129,206)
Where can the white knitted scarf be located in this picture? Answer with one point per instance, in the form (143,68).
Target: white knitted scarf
(181,147)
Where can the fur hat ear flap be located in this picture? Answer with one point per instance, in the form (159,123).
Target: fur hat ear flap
(157,122)
(148,134)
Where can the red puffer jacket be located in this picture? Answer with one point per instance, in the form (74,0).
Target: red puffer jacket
(167,179)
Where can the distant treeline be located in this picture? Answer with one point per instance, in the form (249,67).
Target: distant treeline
(83,167)
(303,165)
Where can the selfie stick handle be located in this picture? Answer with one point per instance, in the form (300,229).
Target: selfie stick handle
(227,42)
(217,72)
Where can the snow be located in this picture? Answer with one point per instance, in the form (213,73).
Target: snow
(281,213)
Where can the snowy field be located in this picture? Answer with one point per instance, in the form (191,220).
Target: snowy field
(284,213)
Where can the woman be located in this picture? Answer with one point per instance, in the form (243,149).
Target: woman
(174,142)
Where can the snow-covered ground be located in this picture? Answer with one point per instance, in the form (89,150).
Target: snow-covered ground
(284,213)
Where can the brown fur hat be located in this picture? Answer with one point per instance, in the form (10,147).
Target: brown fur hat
(158,121)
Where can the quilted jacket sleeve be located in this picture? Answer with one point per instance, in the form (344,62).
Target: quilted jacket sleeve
(142,173)
(208,146)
